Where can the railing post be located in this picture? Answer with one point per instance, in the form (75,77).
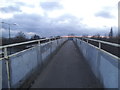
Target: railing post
(87,40)
(75,39)
(99,45)
(61,41)
(57,41)
(39,43)
(39,55)
(82,39)
(7,66)
(50,45)
(5,53)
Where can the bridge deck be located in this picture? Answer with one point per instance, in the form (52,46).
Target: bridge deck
(67,69)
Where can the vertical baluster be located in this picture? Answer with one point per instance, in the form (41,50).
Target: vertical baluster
(99,45)
(7,66)
(5,52)
(87,40)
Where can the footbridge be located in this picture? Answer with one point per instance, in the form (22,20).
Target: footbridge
(66,62)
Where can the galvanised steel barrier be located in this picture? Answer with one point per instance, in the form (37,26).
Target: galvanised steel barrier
(100,42)
(104,65)
(17,67)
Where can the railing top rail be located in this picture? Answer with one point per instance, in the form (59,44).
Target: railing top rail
(22,43)
(104,42)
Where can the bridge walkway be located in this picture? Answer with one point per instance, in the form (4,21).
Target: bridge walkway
(67,69)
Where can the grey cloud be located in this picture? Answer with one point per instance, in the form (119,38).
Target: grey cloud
(10,9)
(50,5)
(46,27)
(42,25)
(104,14)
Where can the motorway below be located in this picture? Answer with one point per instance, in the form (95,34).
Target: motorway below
(67,69)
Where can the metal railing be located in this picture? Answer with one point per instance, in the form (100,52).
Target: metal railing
(6,57)
(111,48)
(104,42)
(4,48)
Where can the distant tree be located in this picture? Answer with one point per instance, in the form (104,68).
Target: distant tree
(35,37)
(4,40)
(20,37)
(111,33)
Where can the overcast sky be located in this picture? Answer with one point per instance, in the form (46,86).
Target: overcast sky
(59,17)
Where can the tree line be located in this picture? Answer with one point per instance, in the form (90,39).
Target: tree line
(19,37)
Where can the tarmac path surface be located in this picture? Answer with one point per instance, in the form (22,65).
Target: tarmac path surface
(67,69)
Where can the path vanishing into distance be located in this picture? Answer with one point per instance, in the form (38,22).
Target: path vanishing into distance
(67,69)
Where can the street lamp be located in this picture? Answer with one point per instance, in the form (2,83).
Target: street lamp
(9,32)
(9,28)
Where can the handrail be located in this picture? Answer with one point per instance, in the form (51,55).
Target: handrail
(104,42)
(22,43)
(17,44)
(99,47)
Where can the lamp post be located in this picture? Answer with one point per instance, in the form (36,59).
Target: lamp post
(9,28)
(9,32)
(1,32)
